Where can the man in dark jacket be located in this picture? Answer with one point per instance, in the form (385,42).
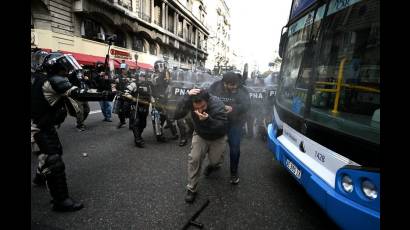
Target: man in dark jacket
(237,102)
(77,78)
(103,83)
(210,126)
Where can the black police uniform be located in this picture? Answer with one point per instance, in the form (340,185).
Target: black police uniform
(140,100)
(52,96)
(159,93)
(45,114)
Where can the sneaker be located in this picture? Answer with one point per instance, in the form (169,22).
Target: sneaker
(161,138)
(183,142)
(190,196)
(175,137)
(234,179)
(120,125)
(107,120)
(67,205)
(81,127)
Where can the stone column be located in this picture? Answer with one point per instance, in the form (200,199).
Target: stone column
(163,15)
(152,11)
(166,17)
(175,23)
(196,38)
(184,35)
(134,5)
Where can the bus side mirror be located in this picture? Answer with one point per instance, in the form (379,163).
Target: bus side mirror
(283,42)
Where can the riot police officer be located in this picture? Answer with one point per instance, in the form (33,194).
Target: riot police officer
(138,95)
(77,78)
(177,89)
(123,106)
(161,80)
(51,96)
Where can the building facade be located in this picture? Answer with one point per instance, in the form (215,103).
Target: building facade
(146,30)
(219,24)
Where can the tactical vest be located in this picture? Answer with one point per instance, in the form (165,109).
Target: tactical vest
(42,113)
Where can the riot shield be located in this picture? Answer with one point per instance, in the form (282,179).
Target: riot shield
(181,82)
(257,112)
(271,85)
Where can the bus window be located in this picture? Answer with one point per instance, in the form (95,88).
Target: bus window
(297,62)
(347,92)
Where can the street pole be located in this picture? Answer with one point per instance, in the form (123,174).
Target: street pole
(196,56)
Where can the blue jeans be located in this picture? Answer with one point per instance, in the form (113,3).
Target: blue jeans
(106,108)
(234,141)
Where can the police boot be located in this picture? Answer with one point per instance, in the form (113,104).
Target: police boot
(57,185)
(67,205)
(174,132)
(161,138)
(139,143)
(39,180)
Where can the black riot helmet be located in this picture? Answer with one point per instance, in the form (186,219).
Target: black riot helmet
(159,66)
(99,67)
(56,62)
(37,59)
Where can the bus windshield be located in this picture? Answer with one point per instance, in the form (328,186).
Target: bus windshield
(335,51)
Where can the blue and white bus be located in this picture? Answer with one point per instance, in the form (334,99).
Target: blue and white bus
(326,118)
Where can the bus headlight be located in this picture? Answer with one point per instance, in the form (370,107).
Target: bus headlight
(369,189)
(347,183)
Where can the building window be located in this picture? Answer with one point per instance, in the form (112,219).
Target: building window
(153,48)
(145,10)
(171,20)
(121,39)
(157,13)
(138,44)
(193,35)
(188,33)
(180,29)
(189,5)
(92,30)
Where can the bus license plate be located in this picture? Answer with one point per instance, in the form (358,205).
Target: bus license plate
(293,169)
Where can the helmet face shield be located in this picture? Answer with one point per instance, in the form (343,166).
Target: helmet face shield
(37,59)
(160,67)
(69,63)
(61,62)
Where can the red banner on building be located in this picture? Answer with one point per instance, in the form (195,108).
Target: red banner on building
(120,54)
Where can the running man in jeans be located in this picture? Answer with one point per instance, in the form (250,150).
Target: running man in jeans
(230,90)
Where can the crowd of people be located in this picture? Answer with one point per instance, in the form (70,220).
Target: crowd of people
(213,110)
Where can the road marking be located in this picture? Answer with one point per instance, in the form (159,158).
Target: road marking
(95,111)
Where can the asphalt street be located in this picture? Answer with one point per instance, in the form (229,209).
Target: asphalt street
(125,187)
